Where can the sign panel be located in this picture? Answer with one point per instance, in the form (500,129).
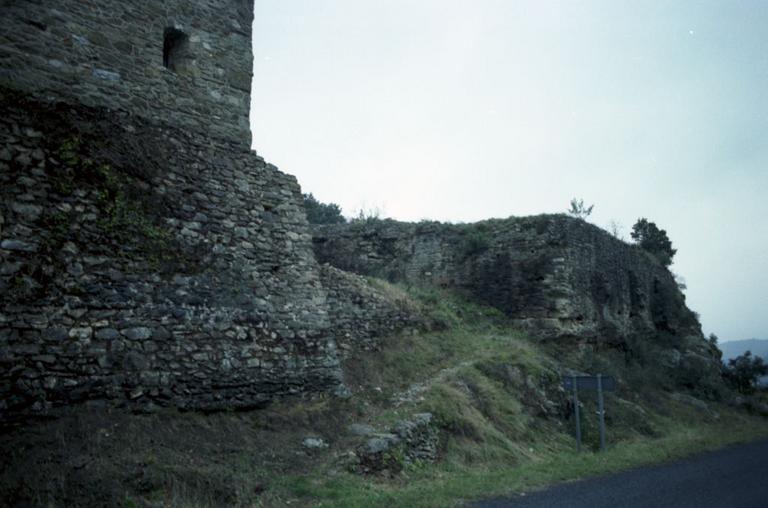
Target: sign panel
(589,383)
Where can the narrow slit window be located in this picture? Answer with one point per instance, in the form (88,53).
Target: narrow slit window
(176,55)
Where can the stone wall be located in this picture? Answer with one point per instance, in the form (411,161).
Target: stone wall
(111,54)
(362,313)
(142,264)
(554,275)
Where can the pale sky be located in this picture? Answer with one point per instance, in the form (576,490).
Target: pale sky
(461,110)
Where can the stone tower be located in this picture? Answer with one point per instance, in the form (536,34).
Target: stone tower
(147,255)
(187,63)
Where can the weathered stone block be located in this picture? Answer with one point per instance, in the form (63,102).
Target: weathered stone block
(107,334)
(83,333)
(136,361)
(138,333)
(18,245)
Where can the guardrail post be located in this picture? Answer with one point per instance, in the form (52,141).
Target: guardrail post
(601,410)
(576,408)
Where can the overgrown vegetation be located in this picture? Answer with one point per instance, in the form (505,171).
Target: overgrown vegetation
(475,241)
(653,240)
(322,213)
(126,224)
(744,371)
(367,215)
(505,425)
(127,215)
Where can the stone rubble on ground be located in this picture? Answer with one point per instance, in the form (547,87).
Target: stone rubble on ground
(408,441)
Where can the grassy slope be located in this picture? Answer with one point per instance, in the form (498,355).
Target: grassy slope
(487,385)
(494,393)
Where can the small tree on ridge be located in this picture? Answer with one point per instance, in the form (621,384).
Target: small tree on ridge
(579,210)
(654,240)
(322,213)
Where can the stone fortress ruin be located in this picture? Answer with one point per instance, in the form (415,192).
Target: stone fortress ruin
(149,258)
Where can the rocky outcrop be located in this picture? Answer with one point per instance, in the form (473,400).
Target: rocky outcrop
(556,276)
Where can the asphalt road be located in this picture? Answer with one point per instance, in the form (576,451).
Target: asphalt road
(735,477)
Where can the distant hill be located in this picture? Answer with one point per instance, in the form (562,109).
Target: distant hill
(734,348)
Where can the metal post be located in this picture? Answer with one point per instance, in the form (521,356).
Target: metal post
(601,410)
(576,408)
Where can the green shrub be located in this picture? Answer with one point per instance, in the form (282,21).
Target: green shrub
(475,242)
(743,372)
(654,240)
(322,213)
